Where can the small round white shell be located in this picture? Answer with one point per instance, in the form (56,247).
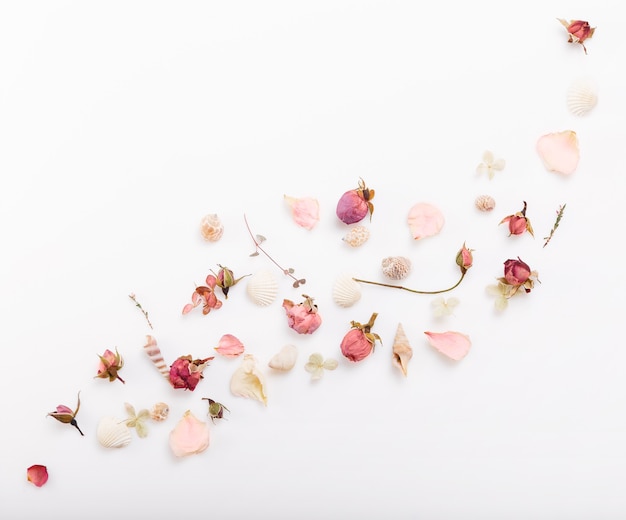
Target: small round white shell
(113,432)
(262,288)
(357,236)
(396,267)
(285,360)
(582,96)
(211,227)
(346,292)
(485,202)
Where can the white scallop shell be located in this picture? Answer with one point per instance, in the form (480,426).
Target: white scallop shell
(582,96)
(346,292)
(396,267)
(211,227)
(113,432)
(285,360)
(357,236)
(485,202)
(262,288)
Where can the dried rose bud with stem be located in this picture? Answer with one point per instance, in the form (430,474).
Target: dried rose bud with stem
(226,279)
(66,415)
(518,223)
(464,260)
(216,410)
(110,365)
(578,31)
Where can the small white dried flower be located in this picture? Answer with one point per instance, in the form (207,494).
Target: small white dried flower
(490,165)
(317,364)
(442,307)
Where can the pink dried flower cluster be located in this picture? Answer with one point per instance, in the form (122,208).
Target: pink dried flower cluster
(302,317)
(186,372)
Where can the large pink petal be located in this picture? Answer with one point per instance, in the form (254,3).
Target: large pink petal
(425,220)
(559,151)
(452,344)
(189,436)
(229,346)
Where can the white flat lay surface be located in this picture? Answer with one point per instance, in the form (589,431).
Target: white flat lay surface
(123,124)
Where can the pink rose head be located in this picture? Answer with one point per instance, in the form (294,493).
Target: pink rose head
(110,364)
(354,205)
(578,31)
(518,223)
(303,317)
(464,258)
(359,342)
(186,373)
(516,272)
(37,474)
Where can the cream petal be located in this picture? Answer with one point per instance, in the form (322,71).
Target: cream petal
(559,151)
(488,157)
(425,220)
(189,436)
(483,169)
(284,360)
(498,165)
(330,364)
(455,345)
(248,381)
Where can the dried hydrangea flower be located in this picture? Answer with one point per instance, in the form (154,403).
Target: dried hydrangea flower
(317,364)
(501,291)
(490,165)
(37,474)
(137,420)
(66,415)
(444,307)
(110,365)
(216,410)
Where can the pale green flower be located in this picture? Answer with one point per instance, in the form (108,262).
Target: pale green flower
(317,364)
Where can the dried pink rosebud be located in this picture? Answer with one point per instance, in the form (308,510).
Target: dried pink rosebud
(66,415)
(110,364)
(37,474)
(226,279)
(303,317)
(518,223)
(354,205)
(516,272)
(359,342)
(578,31)
(229,346)
(216,410)
(464,258)
(186,372)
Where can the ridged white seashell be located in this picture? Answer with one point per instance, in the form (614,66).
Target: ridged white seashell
(113,432)
(582,96)
(211,227)
(357,236)
(485,202)
(396,267)
(285,360)
(346,292)
(262,288)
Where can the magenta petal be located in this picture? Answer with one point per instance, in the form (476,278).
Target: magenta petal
(559,151)
(425,220)
(452,344)
(229,346)
(64,409)
(37,474)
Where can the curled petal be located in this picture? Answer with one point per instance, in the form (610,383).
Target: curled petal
(559,151)
(229,346)
(425,220)
(452,344)
(305,211)
(189,436)
(37,474)
(248,380)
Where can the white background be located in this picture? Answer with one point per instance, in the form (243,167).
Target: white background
(123,123)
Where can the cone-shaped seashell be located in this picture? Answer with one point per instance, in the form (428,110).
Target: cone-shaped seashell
(113,432)
(357,236)
(425,220)
(346,292)
(455,345)
(248,381)
(285,360)
(154,353)
(402,351)
(262,287)
(559,151)
(582,96)
(211,227)
(485,202)
(396,267)
(189,436)
(159,412)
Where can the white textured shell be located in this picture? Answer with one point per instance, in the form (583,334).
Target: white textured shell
(396,267)
(159,412)
(346,292)
(582,96)
(357,236)
(113,432)
(485,202)
(285,360)
(211,227)
(262,288)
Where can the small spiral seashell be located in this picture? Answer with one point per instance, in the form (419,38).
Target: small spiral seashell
(154,353)
(346,292)
(211,227)
(396,267)
(113,433)
(581,97)
(159,412)
(262,288)
(357,236)
(485,202)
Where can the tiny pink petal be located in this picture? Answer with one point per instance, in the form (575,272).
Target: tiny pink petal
(425,220)
(559,151)
(189,436)
(37,474)
(305,211)
(64,409)
(452,344)
(229,346)
(188,308)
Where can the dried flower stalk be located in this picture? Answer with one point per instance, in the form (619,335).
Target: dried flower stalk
(559,216)
(138,305)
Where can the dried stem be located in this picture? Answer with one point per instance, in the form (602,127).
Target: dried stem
(414,290)
(288,272)
(559,216)
(137,304)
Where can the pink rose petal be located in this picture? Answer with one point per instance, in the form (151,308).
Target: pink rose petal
(305,211)
(37,474)
(452,344)
(559,151)
(425,220)
(229,346)
(189,436)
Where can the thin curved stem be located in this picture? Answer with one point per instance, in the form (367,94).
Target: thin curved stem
(413,290)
